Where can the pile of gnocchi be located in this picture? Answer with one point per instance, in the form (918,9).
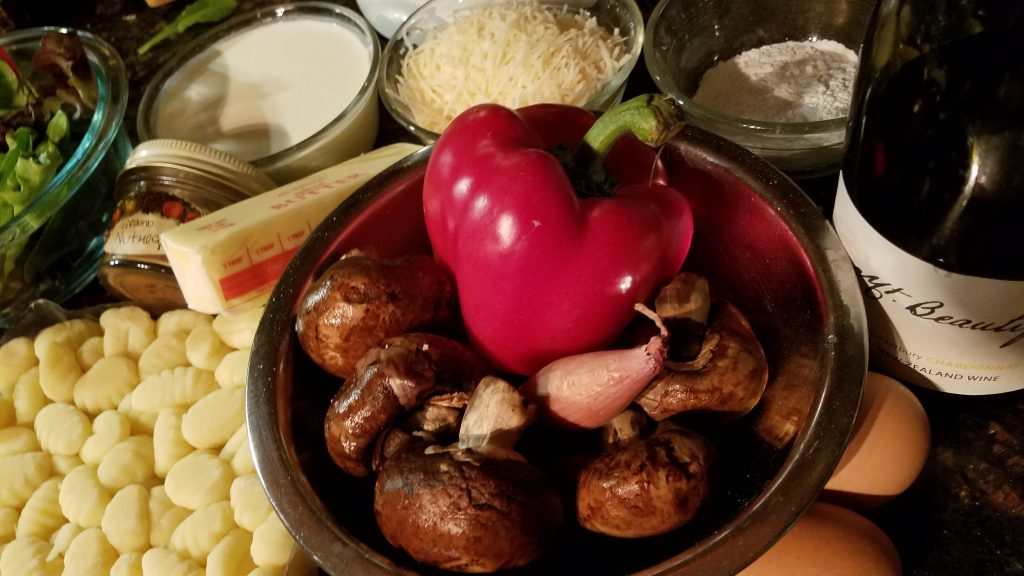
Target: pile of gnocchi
(124,450)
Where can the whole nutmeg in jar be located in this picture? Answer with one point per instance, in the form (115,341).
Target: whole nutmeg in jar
(165,183)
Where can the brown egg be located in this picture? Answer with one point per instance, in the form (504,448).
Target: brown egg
(887,449)
(831,540)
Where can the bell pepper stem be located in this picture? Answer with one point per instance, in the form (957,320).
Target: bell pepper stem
(653,118)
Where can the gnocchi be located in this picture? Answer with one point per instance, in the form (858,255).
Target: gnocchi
(62,428)
(199,479)
(29,557)
(17,440)
(62,538)
(62,464)
(230,557)
(164,353)
(58,371)
(128,462)
(233,369)
(125,522)
(164,561)
(138,421)
(127,330)
(128,565)
(89,553)
(17,355)
(108,429)
(22,474)
(241,462)
(82,497)
(90,352)
(169,444)
(125,452)
(205,349)
(272,545)
(164,517)
(181,386)
(196,536)
(181,322)
(249,502)
(8,524)
(28,397)
(105,384)
(7,415)
(211,421)
(41,516)
(70,333)
(238,329)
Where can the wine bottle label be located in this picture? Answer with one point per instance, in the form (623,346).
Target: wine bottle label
(930,327)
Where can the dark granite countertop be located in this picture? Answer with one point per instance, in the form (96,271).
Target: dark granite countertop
(963,516)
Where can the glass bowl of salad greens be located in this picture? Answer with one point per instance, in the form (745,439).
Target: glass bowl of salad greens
(63,96)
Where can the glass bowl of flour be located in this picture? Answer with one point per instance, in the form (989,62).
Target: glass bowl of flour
(775,76)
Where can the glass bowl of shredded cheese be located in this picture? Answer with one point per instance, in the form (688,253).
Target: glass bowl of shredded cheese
(775,76)
(452,54)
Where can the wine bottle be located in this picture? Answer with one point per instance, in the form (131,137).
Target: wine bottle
(930,205)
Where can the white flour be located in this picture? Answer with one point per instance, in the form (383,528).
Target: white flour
(784,82)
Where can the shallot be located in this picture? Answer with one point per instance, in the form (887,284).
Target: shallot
(588,390)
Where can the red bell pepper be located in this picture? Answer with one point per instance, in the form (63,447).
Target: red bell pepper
(549,258)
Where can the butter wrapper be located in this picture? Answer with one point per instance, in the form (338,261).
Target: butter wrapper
(230,259)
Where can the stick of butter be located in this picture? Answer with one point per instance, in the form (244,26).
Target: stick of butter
(230,259)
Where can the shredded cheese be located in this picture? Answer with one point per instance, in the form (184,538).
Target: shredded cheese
(513,54)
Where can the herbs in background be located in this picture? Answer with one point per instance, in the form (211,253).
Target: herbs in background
(200,11)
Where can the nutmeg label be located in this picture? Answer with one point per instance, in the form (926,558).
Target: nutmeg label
(140,218)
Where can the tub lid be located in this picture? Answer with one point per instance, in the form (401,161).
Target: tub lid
(218,163)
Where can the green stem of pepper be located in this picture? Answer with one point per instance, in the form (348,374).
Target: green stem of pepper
(653,118)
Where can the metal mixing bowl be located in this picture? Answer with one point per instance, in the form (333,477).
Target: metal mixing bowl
(762,244)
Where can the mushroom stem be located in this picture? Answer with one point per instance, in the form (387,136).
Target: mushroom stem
(623,429)
(687,296)
(495,418)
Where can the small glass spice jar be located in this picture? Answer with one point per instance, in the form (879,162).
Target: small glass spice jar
(165,183)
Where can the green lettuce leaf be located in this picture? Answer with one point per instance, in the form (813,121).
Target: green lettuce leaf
(200,11)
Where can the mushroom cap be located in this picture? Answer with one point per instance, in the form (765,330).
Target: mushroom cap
(650,487)
(361,299)
(733,381)
(391,380)
(458,511)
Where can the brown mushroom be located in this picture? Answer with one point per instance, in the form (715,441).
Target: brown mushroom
(435,421)
(643,486)
(391,380)
(476,506)
(361,300)
(729,374)
(683,305)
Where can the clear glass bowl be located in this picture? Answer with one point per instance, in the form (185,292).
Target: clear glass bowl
(59,235)
(387,15)
(623,15)
(349,133)
(687,37)
(761,244)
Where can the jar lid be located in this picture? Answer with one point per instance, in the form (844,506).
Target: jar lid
(200,157)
